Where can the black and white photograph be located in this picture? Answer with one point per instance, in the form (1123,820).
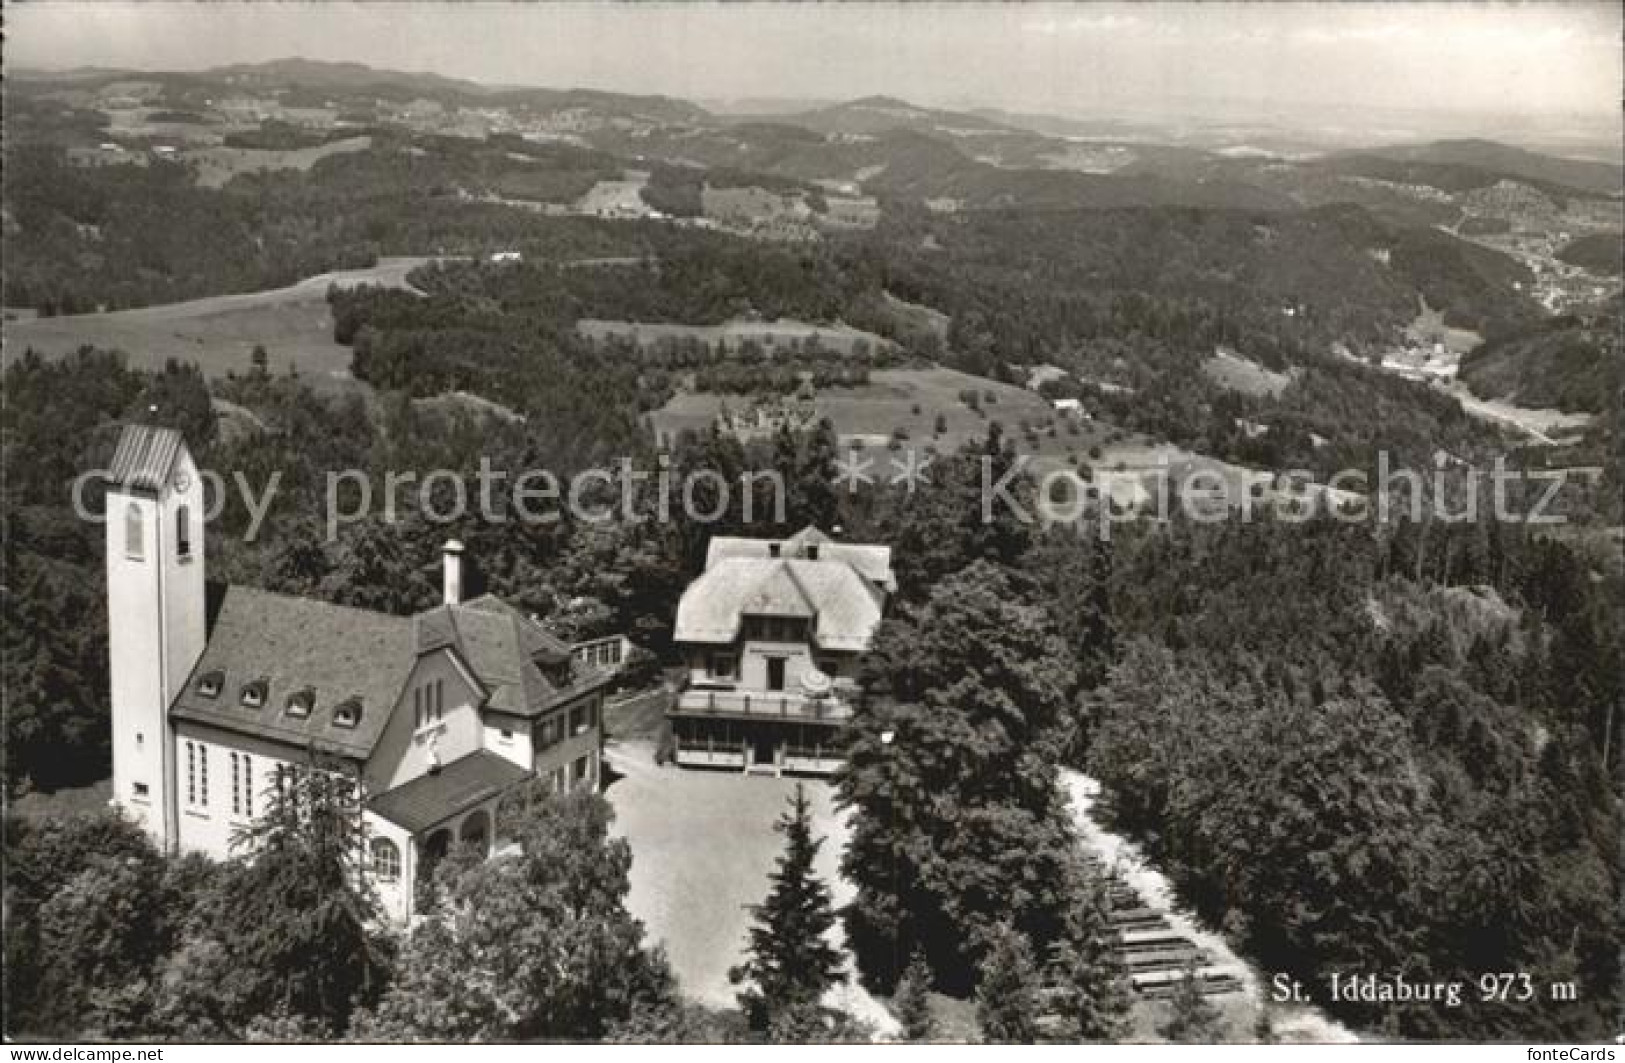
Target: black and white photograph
(758,524)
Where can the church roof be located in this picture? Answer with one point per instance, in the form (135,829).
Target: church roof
(282,646)
(145,456)
(454,789)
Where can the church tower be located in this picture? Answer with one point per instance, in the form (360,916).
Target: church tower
(155,614)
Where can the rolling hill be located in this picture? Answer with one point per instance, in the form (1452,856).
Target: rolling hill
(1477,163)
(1567,363)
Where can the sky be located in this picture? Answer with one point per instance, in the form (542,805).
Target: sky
(1478,58)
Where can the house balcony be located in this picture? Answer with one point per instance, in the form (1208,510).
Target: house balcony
(835,707)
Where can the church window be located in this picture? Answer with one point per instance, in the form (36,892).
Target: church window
(242,784)
(197,774)
(134,534)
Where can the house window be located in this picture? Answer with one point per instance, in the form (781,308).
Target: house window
(134,534)
(812,553)
(183,533)
(724,666)
(583,771)
(551,731)
(581,718)
(141,790)
(386,860)
(507,736)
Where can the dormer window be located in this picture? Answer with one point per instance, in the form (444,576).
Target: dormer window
(347,713)
(253,693)
(301,702)
(210,684)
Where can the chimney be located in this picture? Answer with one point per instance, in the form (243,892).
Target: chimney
(451,558)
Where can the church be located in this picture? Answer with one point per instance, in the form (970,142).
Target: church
(219,692)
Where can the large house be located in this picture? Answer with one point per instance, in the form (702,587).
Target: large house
(219,694)
(773,632)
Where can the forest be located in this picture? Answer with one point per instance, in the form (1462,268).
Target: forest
(1354,747)
(1223,683)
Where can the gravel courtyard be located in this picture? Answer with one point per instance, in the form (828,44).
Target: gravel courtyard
(702,847)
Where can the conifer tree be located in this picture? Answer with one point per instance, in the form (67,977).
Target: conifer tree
(1192,1020)
(791,961)
(912,1004)
(1095,989)
(1007,1001)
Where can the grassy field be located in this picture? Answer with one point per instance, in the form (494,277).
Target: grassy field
(218,165)
(731,334)
(867,418)
(1230,370)
(220,333)
(911,400)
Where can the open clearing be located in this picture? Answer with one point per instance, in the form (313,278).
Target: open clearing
(702,847)
(218,165)
(615,198)
(219,333)
(868,415)
(1230,370)
(731,334)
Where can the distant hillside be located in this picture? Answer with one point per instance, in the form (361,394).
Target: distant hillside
(1566,363)
(882,114)
(1466,160)
(1599,253)
(319,74)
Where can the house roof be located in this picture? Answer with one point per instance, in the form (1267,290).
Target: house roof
(454,789)
(145,456)
(524,669)
(293,645)
(846,606)
(872,562)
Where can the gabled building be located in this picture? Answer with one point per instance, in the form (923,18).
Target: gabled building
(773,632)
(221,693)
